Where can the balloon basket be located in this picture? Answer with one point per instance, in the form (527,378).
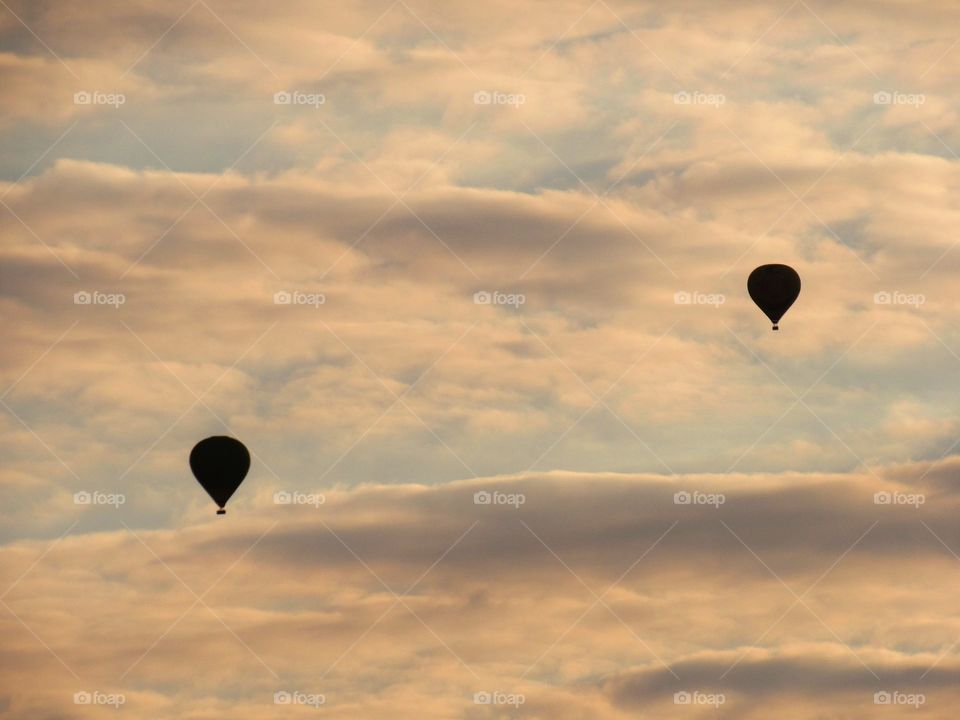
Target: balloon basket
(776,327)
(221,511)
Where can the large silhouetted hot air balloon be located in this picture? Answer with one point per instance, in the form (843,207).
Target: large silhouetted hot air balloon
(774,288)
(220,464)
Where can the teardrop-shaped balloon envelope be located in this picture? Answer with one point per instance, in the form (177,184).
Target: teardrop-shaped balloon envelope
(774,288)
(220,464)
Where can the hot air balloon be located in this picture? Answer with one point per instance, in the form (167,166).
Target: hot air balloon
(220,464)
(774,288)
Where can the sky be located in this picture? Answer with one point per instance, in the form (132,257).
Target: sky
(469,281)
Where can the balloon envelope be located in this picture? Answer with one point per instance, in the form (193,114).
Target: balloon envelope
(220,464)
(774,288)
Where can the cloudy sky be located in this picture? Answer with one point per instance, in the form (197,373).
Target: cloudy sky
(468,279)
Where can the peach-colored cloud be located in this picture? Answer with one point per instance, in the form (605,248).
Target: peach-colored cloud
(601,589)
(479,248)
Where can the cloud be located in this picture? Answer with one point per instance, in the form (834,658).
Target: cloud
(548,596)
(598,368)
(611,173)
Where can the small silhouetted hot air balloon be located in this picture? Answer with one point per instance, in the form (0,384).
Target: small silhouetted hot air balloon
(220,464)
(774,288)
